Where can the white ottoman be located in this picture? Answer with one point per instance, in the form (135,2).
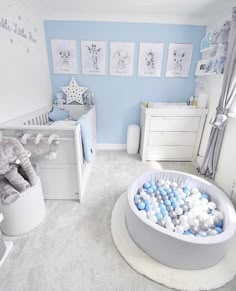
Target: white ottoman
(25,214)
(133,134)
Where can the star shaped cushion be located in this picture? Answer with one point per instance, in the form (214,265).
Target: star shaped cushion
(74,92)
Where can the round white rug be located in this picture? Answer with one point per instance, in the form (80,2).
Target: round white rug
(189,280)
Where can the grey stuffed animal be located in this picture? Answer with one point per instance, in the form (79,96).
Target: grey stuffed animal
(12,156)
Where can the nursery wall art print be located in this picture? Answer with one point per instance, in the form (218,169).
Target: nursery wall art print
(93,54)
(150,59)
(64,56)
(122,58)
(179,60)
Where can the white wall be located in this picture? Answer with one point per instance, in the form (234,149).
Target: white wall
(24,75)
(226,171)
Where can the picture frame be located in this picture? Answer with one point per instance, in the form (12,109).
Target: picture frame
(150,59)
(179,60)
(93,57)
(122,58)
(201,68)
(64,56)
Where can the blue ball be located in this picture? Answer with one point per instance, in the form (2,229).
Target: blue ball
(147,202)
(175,192)
(148,207)
(149,190)
(146,185)
(154,187)
(219,224)
(162,207)
(164,213)
(167,202)
(160,189)
(173,199)
(187,232)
(159,216)
(137,197)
(168,191)
(186,188)
(141,205)
(186,191)
(205,195)
(219,229)
(174,204)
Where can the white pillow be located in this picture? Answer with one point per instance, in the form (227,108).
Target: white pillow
(63,123)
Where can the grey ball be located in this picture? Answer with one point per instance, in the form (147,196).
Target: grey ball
(172,214)
(170,195)
(204,226)
(200,219)
(159,197)
(170,208)
(176,221)
(139,190)
(185,207)
(194,229)
(189,204)
(165,197)
(161,222)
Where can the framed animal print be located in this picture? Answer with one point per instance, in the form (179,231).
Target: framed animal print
(150,59)
(179,60)
(122,58)
(64,56)
(93,57)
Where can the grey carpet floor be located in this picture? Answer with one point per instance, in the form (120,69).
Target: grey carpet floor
(73,249)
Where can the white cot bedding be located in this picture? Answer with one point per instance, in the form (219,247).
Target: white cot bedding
(63,123)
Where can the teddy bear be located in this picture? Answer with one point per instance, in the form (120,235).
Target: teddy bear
(223,35)
(60,101)
(16,172)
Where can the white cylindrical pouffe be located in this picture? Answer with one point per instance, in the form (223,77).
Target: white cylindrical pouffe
(133,135)
(25,214)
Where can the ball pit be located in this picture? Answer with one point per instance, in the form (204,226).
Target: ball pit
(179,219)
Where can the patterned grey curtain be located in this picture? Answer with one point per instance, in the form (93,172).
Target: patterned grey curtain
(228,94)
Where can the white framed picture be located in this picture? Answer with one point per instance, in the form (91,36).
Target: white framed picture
(122,58)
(64,56)
(150,59)
(201,69)
(93,57)
(179,60)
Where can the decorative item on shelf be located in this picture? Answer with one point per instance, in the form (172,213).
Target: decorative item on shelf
(60,101)
(88,98)
(201,68)
(192,101)
(74,92)
(216,64)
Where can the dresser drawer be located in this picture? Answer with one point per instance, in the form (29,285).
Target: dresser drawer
(174,123)
(172,138)
(183,153)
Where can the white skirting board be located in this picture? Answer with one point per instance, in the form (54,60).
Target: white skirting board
(9,245)
(112,147)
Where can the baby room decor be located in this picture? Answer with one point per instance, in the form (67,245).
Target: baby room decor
(64,56)
(201,69)
(179,60)
(60,101)
(122,58)
(74,92)
(57,114)
(150,59)
(16,172)
(93,54)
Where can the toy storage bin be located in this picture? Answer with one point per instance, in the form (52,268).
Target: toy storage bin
(133,135)
(25,214)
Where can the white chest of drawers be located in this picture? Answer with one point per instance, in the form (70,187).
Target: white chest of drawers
(171,134)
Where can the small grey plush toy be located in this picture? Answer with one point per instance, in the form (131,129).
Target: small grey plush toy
(12,157)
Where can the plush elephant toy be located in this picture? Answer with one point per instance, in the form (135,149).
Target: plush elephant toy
(16,171)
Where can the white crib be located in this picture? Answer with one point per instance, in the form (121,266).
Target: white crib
(67,175)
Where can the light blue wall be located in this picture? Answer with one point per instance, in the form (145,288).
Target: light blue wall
(118,98)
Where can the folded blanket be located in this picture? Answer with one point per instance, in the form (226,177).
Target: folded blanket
(87,140)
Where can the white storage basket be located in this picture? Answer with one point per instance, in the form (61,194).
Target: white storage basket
(25,214)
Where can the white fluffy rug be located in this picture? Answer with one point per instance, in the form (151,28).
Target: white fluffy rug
(192,280)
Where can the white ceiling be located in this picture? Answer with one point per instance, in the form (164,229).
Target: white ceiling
(171,11)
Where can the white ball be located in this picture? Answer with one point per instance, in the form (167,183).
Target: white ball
(204,200)
(194,190)
(212,232)
(212,205)
(157,210)
(168,182)
(174,185)
(182,195)
(183,218)
(202,233)
(170,225)
(153,219)
(167,219)
(161,182)
(150,213)
(179,229)
(185,225)
(153,199)
(166,186)
(180,202)
(179,190)
(179,211)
